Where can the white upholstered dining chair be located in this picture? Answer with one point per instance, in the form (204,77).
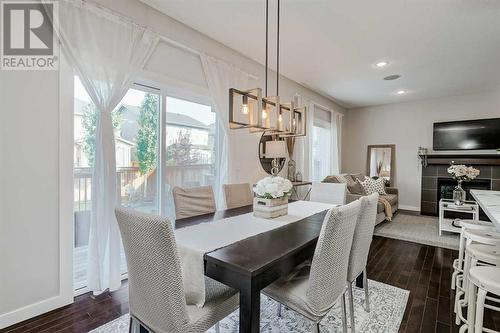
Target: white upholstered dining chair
(363,234)
(238,195)
(312,290)
(193,201)
(331,193)
(156,293)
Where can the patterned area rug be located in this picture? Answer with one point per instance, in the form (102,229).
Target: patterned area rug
(387,308)
(418,229)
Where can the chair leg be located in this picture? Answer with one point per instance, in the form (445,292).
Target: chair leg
(279,310)
(344,315)
(367,296)
(481,298)
(217,327)
(130,325)
(351,305)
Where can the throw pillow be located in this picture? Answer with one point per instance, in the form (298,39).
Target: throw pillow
(374,186)
(345,179)
(356,188)
(358,176)
(331,179)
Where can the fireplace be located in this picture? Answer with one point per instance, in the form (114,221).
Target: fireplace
(437,183)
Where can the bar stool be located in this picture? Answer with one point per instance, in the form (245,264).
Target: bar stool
(483,280)
(475,255)
(479,235)
(458,263)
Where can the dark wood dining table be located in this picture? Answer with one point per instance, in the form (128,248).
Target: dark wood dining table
(252,264)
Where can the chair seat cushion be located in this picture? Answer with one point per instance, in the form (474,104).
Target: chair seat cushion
(486,278)
(291,292)
(220,301)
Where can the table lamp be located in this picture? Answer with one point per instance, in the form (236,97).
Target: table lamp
(275,150)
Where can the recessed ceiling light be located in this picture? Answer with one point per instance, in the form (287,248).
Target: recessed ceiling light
(401,92)
(392,77)
(382,64)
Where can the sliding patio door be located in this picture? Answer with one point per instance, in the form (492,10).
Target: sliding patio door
(136,130)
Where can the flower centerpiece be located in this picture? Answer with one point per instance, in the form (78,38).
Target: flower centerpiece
(271,197)
(461,173)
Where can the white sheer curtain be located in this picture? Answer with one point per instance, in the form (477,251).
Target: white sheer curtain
(220,76)
(106,52)
(336,157)
(323,122)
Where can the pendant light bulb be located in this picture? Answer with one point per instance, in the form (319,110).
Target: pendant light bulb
(244,106)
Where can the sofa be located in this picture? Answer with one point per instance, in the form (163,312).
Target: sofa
(354,193)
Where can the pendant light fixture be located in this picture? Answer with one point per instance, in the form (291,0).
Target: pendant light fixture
(249,109)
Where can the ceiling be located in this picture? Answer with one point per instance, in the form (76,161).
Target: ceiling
(439,47)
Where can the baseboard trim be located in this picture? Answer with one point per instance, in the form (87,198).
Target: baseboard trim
(33,310)
(412,208)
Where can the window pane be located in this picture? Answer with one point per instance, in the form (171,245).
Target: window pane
(84,127)
(321,152)
(190,146)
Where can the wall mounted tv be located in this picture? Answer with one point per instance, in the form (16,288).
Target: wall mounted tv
(467,135)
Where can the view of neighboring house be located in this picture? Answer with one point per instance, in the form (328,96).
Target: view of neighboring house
(201,136)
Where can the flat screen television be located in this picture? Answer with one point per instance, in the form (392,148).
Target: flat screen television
(467,135)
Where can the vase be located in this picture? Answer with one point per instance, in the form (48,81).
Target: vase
(270,208)
(459,194)
(291,170)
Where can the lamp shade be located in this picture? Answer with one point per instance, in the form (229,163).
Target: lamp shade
(275,149)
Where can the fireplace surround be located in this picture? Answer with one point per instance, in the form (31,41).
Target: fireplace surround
(437,183)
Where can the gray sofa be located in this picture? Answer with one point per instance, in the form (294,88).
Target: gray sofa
(392,194)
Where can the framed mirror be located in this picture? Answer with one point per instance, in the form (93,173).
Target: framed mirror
(380,162)
(267,162)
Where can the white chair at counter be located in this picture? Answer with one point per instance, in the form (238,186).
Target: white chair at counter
(483,281)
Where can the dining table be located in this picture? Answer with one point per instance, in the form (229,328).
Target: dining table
(251,264)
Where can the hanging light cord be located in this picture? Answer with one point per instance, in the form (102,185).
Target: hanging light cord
(278,52)
(267,42)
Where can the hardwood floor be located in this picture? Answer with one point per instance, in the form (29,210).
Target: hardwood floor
(423,270)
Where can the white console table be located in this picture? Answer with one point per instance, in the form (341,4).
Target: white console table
(445,224)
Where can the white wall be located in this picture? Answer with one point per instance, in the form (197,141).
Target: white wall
(408,126)
(36,158)
(30,247)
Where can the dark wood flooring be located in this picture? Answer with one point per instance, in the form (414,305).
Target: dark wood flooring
(423,270)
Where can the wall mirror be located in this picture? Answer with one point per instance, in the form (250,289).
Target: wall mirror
(267,157)
(380,162)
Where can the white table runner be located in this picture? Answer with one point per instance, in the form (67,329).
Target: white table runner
(194,241)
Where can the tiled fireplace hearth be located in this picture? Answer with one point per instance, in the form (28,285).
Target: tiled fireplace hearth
(437,183)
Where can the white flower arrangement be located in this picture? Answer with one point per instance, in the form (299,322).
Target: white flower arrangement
(273,188)
(463,173)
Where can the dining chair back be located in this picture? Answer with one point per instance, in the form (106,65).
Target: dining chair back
(156,293)
(193,201)
(363,234)
(362,239)
(328,274)
(331,193)
(238,195)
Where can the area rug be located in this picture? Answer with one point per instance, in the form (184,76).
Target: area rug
(418,229)
(387,303)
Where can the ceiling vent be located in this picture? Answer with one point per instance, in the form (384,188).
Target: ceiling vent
(392,77)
